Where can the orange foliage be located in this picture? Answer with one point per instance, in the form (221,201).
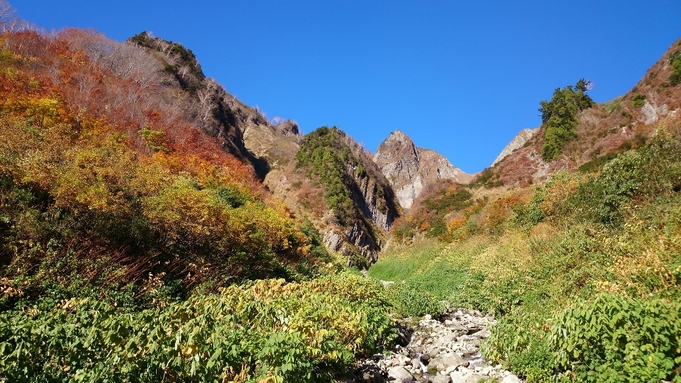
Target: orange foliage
(70,127)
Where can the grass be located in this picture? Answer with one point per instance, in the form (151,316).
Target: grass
(539,276)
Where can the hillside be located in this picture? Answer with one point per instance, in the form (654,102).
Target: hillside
(601,130)
(577,256)
(271,148)
(137,243)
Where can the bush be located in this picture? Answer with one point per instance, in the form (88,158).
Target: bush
(272,330)
(410,299)
(675,61)
(613,338)
(638,100)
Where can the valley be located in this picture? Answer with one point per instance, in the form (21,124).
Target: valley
(153,228)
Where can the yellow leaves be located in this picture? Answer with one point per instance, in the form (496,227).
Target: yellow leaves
(155,139)
(557,190)
(97,179)
(42,111)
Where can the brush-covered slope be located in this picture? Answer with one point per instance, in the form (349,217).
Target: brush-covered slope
(583,270)
(210,107)
(100,166)
(411,170)
(272,149)
(599,131)
(136,244)
(357,206)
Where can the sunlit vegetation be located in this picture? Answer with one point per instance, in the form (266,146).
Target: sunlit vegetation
(583,272)
(327,158)
(675,62)
(133,248)
(559,117)
(268,330)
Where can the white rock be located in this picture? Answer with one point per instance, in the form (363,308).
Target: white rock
(399,373)
(511,379)
(457,377)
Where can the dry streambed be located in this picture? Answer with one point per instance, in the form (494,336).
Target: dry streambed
(437,351)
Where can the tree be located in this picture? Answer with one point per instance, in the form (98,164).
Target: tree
(559,117)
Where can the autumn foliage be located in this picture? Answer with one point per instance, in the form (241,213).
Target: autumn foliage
(98,161)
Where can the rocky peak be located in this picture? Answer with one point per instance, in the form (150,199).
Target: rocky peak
(516,143)
(411,169)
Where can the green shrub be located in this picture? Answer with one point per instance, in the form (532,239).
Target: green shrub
(410,299)
(519,341)
(270,329)
(612,338)
(675,61)
(638,100)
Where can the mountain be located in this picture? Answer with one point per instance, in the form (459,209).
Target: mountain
(411,169)
(131,216)
(330,180)
(601,131)
(516,143)
(218,113)
(271,148)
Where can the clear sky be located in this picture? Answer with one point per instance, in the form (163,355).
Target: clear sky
(458,77)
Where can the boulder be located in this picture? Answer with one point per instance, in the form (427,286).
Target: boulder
(399,373)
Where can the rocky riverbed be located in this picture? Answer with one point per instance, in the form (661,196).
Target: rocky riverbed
(436,351)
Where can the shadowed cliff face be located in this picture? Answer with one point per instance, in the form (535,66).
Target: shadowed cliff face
(410,169)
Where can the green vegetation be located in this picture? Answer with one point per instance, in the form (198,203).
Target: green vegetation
(267,330)
(583,274)
(559,117)
(431,217)
(638,100)
(325,157)
(675,62)
(132,248)
(328,158)
(613,338)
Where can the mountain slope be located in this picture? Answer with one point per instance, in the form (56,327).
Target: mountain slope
(411,169)
(119,180)
(602,130)
(516,143)
(328,178)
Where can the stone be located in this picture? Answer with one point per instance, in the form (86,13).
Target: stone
(511,379)
(457,377)
(399,373)
(441,379)
(369,372)
(448,348)
(448,361)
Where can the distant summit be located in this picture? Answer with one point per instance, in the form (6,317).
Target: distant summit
(516,143)
(411,169)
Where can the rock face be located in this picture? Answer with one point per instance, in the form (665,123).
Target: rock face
(411,169)
(439,351)
(372,206)
(516,143)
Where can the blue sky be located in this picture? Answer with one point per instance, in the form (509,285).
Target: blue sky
(461,78)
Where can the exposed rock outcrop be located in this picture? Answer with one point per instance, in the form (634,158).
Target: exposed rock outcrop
(411,169)
(516,143)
